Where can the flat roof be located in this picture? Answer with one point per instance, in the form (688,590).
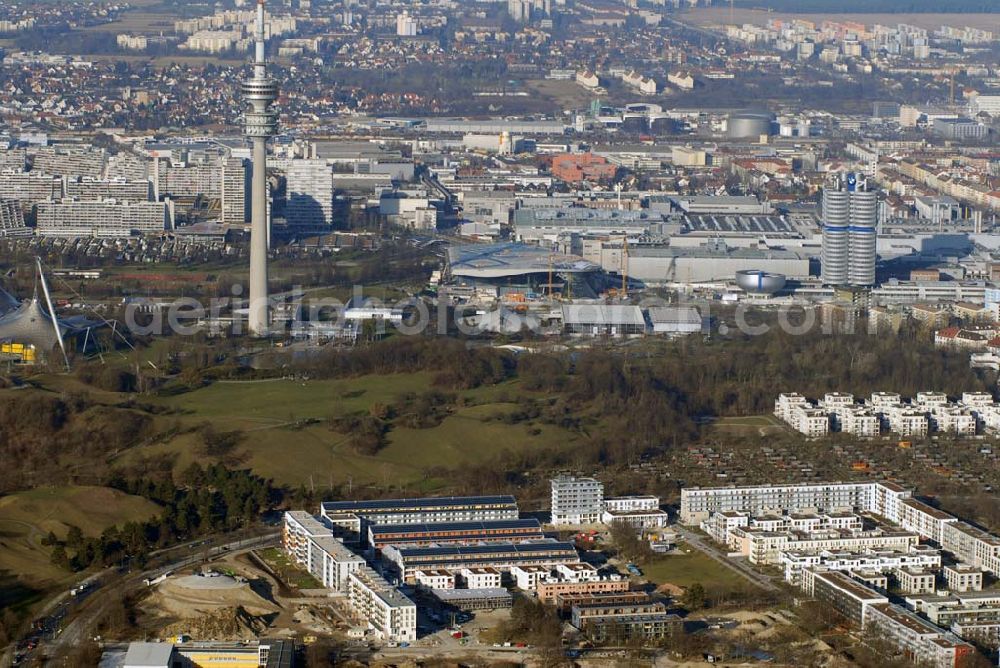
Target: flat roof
(492,548)
(620,314)
(472,594)
(850,585)
(390,505)
(512,259)
(442,527)
(148,655)
(907,619)
(688,315)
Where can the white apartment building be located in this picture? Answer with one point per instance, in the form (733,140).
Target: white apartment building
(640,512)
(578,572)
(929,400)
(881,401)
(976,399)
(480,578)
(576,500)
(812,422)
(906,421)
(310,194)
(787,403)
(954,420)
(874,561)
(765,547)
(107,219)
(435,579)
(234,191)
(924,519)
(832,401)
(971,545)
(527,576)
(697,503)
(388,613)
(859,422)
(915,580)
(963,577)
(720,526)
(311,544)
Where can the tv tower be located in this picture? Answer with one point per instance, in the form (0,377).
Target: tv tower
(259,122)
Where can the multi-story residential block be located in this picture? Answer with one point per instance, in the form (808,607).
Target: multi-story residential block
(641,512)
(917,637)
(457,533)
(234,191)
(576,500)
(108,219)
(435,579)
(480,578)
(766,547)
(871,562)
(971,545)
(924,519)
(526,577)
(122,190)
(914,580)
(963,577)
(312,545)
(843,593)
(697,503)
(387,612)
(549,588)
(429,510)
(404,561)
(12,218)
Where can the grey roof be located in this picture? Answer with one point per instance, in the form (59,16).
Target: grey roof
(616,314)
(675,315)
(394,505)
(511,259)
(149,655)
(448,595)
(30,324)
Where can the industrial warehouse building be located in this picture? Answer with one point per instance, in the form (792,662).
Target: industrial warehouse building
(658,265)
(613,320)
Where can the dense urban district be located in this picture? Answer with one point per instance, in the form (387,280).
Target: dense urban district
(500,333)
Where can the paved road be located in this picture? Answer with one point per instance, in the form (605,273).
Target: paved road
(56,639)
(738,566)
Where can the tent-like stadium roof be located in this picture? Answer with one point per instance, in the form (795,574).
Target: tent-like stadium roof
(512,259)
(30,323)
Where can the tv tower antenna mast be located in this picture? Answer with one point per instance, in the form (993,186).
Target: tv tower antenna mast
(260,123)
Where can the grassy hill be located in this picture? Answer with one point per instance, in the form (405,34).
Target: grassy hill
(27,517)
(287,437)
